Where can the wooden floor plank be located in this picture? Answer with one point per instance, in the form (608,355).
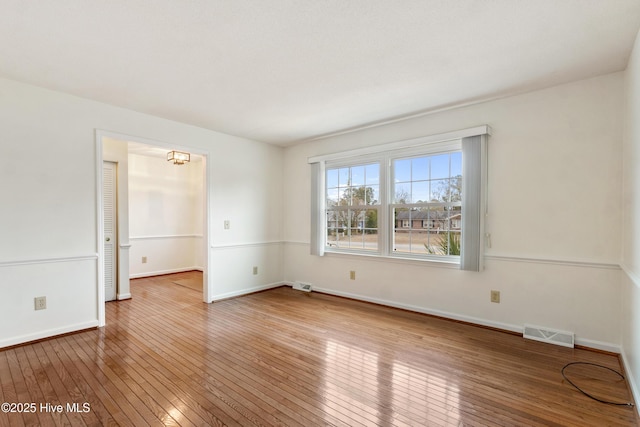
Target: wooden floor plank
(9,393)
(288,358)
(30,417)
(94,391)
(35,387)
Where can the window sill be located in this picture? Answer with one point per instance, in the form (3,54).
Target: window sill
(431,262)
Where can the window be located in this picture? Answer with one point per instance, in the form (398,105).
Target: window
(420,199)
(427,192)
(409,199)
(352,203)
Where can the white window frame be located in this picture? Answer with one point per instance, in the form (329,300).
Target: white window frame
(385,208)
(433,149)
(378,207)
(477,136)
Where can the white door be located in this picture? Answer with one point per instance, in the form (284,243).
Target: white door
(110,232)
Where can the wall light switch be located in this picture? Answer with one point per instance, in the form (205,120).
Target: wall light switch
(227,224)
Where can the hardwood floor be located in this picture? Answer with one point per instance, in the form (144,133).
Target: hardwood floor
(284,357)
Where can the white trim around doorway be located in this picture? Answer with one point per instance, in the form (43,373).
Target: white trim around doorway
(99,135)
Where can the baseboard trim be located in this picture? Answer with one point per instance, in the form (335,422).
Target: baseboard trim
(247,291)
(163,272)
(50,333)
(598,345)
(633,386)
(417,309)
(121,297)
(589,344)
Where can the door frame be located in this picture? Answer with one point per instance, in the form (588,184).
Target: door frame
(207,290)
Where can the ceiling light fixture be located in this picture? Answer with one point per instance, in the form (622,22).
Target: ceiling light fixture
(178,157)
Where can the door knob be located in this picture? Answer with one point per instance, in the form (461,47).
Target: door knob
(108,239)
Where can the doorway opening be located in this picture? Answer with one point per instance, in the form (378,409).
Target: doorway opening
(161,216)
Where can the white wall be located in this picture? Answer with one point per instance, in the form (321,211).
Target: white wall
(48,219)
(631,233)
(554,203)
(165,215)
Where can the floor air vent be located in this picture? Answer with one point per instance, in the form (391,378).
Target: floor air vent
(302,286)
(547,335)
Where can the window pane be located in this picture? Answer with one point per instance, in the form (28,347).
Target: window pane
(342,219)
(432,243)
(455,218)
(333,196)
(403,193)
(402,221)
(440,190)
(347,186)
(373,195)
(343,177)
(353,229)
(372,174)
(357,176)
(420,192)
(401,218)
(456,164)
(359,195)
(402,170)
(332,178)
(409,235)
(363,233)
(420,169)
(442,240)
(332,224)
(447,243)
(455,188)
(440,166)
(344,197)
(371,219)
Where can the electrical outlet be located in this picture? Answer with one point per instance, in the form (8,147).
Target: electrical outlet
(144,259)
(40,303)
(495,296)
(227,224)
(255,270)
(352,275)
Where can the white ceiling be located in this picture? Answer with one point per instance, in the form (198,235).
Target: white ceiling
(283,71)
